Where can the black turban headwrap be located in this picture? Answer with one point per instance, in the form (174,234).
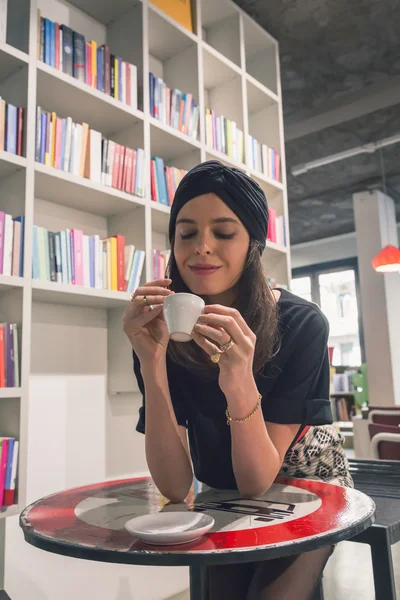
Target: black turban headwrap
(239,191)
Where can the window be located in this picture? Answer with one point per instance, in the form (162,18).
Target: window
(302,287)
(334,289)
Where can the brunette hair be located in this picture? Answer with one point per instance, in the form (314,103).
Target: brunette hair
(255,302)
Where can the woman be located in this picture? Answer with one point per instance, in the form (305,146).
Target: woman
(252,387)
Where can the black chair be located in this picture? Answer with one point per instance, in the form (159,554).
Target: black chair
(380,479)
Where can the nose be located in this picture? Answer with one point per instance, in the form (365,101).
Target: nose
(203,246)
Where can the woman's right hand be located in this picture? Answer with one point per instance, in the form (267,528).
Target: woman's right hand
(143,321)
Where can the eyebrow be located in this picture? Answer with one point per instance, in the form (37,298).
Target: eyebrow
(219,220)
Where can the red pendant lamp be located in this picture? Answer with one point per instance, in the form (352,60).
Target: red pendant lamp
(387,260)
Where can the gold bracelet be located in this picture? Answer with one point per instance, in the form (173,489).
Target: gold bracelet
(230,420)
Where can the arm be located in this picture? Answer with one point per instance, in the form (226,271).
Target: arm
(167,452)
(166,444)
(258,448)
(259,445)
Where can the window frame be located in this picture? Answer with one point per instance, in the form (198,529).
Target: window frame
(313,271)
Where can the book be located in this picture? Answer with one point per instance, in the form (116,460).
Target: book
(173,108)
(9,355)
(73,257)
(11,139)
(160,262)
(67,50)
(164,181)
(223,135)
(179,10)
(77,149)
(3,466)
(11,245)
(11,473)
(79,58)
(272,225)
(264,159)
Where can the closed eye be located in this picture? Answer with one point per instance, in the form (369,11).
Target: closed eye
(224,236)
(218,234)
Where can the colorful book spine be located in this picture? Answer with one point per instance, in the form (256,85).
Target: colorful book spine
(276,228)
(3,466)
(74,148)
(9,355)
(264,159)
(11,129)
(72,257)
(67,50)
(272,225)
(11,245)
(172,107)
(9,451)
(160,262)
(164,181)
(223,135)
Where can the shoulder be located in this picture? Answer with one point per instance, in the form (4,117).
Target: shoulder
(300,319)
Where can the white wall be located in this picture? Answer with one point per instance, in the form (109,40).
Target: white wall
(333,248)
(77,435)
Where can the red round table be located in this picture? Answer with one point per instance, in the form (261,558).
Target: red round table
(294,516)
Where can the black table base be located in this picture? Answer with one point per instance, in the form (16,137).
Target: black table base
(198,583)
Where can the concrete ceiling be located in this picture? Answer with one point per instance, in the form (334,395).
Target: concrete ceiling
(340,70)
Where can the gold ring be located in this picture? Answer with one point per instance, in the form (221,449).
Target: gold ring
(215,357)
(145,301)
(228,345)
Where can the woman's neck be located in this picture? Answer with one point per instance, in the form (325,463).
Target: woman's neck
(225,298)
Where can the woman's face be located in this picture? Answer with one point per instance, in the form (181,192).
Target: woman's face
(211,245)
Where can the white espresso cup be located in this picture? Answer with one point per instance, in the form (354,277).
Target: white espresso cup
(181,312)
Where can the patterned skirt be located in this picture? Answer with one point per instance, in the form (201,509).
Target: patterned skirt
(319,454)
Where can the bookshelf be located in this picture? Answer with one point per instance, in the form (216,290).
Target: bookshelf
(228,63)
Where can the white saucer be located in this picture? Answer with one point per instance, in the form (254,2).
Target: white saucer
(170,528)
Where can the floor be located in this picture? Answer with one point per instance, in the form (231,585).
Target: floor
(348,575)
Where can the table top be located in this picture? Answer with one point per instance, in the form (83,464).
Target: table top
(294,516)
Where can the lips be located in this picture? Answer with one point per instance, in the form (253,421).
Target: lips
(203,269)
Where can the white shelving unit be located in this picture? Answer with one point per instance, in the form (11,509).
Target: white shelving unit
(228,63)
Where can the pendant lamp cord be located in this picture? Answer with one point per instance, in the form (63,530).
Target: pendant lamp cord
(385,192)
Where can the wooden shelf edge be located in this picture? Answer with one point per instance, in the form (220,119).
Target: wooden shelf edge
(222,58)
(263,88)
(258,175)
(88,183)
(224,157)
(79,290)
(11,280)
(9,49)
(276,247)
(175,133)
(87,89)
(9,511)
(10,392)
(19,161)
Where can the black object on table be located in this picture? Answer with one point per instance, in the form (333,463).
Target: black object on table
(294,516)
(380,479)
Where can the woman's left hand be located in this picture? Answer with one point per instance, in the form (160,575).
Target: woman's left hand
(216,327)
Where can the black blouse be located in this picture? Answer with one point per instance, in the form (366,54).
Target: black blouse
(294,388)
